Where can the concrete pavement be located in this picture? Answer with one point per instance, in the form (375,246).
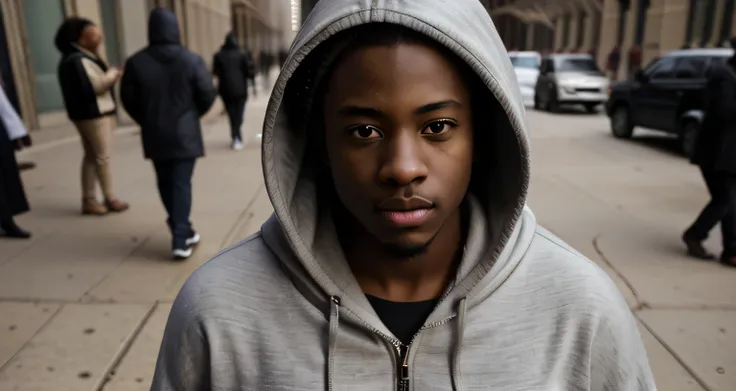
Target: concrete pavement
(89,296)
(83,304)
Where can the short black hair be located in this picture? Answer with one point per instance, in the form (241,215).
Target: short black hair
(70,32)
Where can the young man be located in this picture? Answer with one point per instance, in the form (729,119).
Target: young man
(166,89)
(234,68)
(401,255)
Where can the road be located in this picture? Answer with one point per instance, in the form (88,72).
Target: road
(83,304)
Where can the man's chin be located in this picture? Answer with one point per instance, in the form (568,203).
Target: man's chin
(405,251)
(407,247)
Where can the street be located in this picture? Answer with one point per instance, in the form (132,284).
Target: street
(84,303)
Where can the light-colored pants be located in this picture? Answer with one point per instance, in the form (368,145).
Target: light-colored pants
(96,135)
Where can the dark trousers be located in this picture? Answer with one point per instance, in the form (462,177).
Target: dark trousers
(721,208)
(174,179)
(235,109)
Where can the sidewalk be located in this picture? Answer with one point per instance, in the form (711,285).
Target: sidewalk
(87,292)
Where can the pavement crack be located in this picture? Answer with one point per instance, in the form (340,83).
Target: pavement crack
(124,349)
(675,356)
(241,221)
(28,341)
(640,304)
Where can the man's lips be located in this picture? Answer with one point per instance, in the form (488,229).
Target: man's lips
(406,212)
(407,218)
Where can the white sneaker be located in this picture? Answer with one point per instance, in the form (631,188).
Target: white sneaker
(237,145)
(182,253)
(194,240)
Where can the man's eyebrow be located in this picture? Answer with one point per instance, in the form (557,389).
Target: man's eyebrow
(357,111)
(428,108)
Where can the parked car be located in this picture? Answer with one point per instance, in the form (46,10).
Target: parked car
(570,79)
(526,65)
(667,95)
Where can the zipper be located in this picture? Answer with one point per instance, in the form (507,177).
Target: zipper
(403,382)
(402,351)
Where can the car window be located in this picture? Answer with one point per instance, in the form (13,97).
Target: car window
(719,60)
(578,65)
(691,67)
(524,62)
(662,69)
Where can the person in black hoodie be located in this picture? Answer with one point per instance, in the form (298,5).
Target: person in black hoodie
(234,67)
(166,89)
(715,153)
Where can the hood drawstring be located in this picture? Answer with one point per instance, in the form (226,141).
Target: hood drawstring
(457,377)
(334,326)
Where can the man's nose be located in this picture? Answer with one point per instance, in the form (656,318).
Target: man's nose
(403,161)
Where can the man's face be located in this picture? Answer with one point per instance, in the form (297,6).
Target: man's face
(399,140)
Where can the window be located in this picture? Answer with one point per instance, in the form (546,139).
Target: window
(690,67)
(524,62)
(578,65)
(662,69)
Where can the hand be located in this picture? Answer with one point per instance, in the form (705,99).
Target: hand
(118,72)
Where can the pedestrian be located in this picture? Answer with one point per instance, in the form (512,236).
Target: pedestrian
(234,68)
(166,89)
(265,63)
(13,136)
(401,254)
(87,86)
(715,154)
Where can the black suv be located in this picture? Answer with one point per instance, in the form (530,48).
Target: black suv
(667,95)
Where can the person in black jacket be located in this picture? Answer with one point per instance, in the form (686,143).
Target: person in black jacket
(86,84)
(166,89)
(234,68)
(715,153)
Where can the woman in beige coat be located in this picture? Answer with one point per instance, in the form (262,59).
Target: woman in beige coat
(87,85)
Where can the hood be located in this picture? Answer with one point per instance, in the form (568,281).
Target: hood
(163,28)
(231,43)
(304,239)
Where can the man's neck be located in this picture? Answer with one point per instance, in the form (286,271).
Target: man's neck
(383,274)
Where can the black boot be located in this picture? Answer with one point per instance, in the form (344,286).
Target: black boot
(696,250)
(12,230)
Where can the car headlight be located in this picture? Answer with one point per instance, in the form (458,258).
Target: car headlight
(568,90)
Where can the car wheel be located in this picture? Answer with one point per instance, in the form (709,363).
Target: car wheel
(689,137)
(621,126)
(591,107)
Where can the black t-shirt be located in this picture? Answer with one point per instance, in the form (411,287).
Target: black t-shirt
(402,319)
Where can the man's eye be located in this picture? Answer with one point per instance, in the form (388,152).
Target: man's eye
(438,127)
(367,132)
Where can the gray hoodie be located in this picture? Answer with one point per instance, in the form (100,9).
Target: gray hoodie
(282,310)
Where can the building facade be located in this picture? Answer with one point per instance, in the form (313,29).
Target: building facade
(28,58)
(637,31)
(263,26)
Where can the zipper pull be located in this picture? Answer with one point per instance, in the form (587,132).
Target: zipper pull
(404,382)
(404,371)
